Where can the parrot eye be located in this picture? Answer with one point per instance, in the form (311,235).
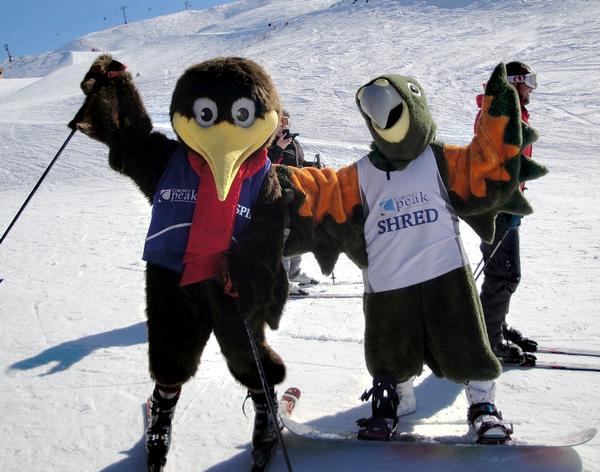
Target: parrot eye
(205,111)
(243,112)
(414,89)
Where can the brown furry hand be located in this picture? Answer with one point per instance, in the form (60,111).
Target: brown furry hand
(111,99)
(103,70)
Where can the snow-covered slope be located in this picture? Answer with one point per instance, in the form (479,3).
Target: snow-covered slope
(72,350)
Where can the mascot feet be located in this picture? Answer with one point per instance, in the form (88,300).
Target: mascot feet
(384,404)
(484,417)
(160,413)
(264,434)
(487,423)
(407,402)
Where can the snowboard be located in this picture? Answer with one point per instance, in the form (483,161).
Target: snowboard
(569,439)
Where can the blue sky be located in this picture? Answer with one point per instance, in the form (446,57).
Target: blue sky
(35,26)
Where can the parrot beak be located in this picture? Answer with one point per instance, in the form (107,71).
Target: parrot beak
(380,101)
(225,146)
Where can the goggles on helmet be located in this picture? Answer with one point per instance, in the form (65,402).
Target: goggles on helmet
(528,79)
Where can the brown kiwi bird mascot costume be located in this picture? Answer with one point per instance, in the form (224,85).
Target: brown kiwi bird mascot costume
(395,213)
(215,240)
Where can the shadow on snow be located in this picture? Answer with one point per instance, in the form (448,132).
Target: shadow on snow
(68,353)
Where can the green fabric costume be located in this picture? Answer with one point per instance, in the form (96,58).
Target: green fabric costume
(438,322)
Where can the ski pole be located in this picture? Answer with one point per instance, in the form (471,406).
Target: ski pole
(478,274)
(263,380)
(39,182)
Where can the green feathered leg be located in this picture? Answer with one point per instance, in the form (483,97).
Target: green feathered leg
(409,327)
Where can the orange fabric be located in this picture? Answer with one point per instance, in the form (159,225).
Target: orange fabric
(327,192)
(483,158)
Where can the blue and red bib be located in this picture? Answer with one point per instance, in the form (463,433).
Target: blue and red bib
(177,212)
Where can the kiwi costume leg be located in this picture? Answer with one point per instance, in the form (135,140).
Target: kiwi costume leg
(179,325)
(231,334)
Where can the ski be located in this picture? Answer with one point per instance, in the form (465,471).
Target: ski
(326,295)
(570,366)
(410,438)
(331,283)
(286,405)
(567,351)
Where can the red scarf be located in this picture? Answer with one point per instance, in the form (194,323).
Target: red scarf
(213,220)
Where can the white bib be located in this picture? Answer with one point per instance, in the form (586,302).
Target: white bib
(411,230)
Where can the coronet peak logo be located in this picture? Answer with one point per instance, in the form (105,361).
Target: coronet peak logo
(177,195)
(396,204)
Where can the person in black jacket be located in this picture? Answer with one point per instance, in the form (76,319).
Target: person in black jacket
(287,151)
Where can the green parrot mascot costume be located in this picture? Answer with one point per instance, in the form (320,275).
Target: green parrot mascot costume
(215,240)
(395,213)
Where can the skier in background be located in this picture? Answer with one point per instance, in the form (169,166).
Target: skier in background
(287,151)
(502,268)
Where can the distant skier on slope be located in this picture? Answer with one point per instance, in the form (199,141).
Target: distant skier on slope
(286,150)
(502,270)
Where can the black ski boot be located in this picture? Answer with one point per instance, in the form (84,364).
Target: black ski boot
(160,413)
(509,353)
(384,420)
(514,336)
(264,434)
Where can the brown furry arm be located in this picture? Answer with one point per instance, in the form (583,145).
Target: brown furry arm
(113,113)
(255,262)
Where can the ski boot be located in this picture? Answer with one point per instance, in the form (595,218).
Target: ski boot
(484,417)
(160,413)
(296,290)
(264,434)
(384,420)
(302,279)
(514,335)
(407,403)
(510,353)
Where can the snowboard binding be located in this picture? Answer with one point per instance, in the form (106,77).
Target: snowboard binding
(384,403)
(487,422)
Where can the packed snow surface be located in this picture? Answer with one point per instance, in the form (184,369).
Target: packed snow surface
(73,345)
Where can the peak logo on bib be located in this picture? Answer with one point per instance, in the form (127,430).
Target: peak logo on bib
(406,211)
(397,204)
(177,195)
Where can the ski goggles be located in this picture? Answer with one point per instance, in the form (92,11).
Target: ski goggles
(528,79)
